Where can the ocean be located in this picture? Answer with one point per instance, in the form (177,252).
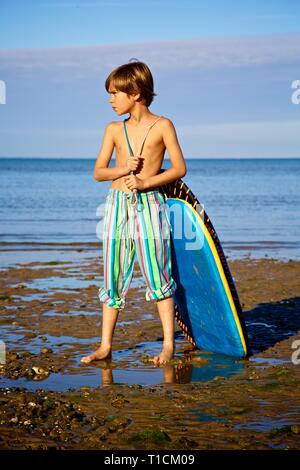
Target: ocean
(53,204)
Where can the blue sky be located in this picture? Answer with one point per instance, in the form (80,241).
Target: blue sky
(54,23)
(223,72)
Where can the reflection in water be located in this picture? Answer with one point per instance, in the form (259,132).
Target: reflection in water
(107,375)
(194,368)
(206,366)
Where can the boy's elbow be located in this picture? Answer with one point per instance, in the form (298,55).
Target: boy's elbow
(182,171)
(97,174)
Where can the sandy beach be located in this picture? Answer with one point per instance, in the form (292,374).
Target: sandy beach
(51,317)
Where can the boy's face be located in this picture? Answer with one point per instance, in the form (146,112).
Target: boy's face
(120,101)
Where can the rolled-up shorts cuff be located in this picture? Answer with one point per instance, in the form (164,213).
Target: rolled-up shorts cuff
(163,292)
(117,303)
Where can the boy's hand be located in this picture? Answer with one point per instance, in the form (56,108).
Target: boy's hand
(133,163)
(133,182)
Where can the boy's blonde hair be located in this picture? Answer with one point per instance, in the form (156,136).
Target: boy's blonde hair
(133,78)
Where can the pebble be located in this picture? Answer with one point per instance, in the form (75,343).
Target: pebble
(40,371)
(46,351)
(13,356)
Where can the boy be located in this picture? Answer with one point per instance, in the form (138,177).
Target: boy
(135,222)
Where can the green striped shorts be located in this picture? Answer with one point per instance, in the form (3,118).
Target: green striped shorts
(130,232)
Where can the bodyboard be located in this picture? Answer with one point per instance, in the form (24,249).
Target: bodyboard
(207,306)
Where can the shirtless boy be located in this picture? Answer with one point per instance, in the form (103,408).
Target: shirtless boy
(136,223)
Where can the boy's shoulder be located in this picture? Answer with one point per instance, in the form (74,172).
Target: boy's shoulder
(165,122)
(113,125)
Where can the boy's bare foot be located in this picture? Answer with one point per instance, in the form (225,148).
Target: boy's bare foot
(99,355)
(165,356)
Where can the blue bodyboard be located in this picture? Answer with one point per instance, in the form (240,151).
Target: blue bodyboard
(207,304)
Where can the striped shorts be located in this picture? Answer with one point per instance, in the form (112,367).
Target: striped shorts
(130,232)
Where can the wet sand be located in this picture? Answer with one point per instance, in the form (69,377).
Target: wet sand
(51,317)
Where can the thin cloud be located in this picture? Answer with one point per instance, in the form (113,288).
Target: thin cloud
(209,53)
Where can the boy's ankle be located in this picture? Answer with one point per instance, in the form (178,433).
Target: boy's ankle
(105,346)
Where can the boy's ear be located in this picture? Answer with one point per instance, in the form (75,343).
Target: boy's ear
(136,97)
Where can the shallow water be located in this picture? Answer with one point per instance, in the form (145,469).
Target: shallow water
(127,367)
(267,361)
(21,253)
(289,419)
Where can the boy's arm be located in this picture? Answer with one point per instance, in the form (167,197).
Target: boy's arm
(101,170)
(178,168)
